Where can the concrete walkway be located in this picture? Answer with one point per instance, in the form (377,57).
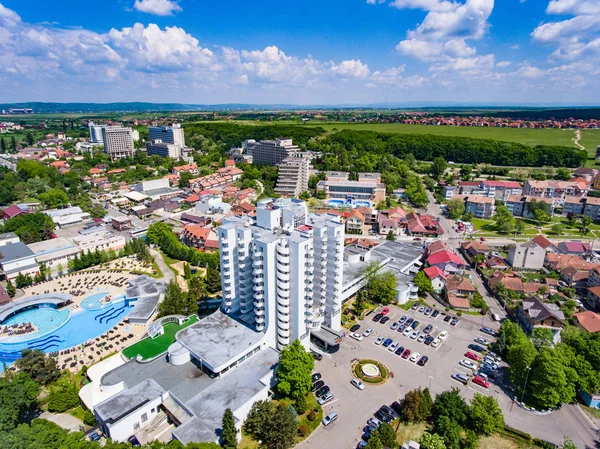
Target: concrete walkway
(168,275)
(64,420)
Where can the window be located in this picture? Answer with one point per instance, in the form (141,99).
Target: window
(145,417)
(136,426)
(153,410)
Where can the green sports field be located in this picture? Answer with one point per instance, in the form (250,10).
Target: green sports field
(151,347)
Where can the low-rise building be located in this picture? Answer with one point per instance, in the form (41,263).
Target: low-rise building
(458,291)
(17,258)
(68,216)
(588,321)
(102,240)
(14,210)
(558,190)
(338,185)
(355,222)
(533,314)
(518,205)
(54,252)
(195,236)
(122,223)
(437,277)
(8,238)
(478,205)
(527,256)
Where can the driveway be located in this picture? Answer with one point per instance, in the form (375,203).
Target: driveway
(168,275)
(355,407)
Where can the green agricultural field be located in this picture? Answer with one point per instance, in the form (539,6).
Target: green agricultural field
(151,347)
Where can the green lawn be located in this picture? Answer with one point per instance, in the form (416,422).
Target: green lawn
(151,347)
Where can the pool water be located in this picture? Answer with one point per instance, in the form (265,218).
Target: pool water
(81,326)
(45,320)
(342,203)
(94,302)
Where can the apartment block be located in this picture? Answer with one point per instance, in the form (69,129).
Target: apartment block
(96,133)
(587,206)
(118,141)
(270,152)
(518,205)
(558,190)
(478,205)
(163,149)
(293,176)
(282,272)
(172,134)
(368,187)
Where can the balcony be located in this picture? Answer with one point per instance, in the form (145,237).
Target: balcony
(260,319)
(259,295)
(259,310)
(258,288)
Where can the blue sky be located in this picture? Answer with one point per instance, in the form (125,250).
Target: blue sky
(310,52)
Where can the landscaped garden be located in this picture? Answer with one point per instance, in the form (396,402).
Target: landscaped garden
(151,347)
(371,371)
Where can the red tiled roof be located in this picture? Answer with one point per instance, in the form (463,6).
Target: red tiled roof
(444,257)
(12,211)
(589,320)
(194,198)
(541,241)
(196,231)
(433,272)
(458,301)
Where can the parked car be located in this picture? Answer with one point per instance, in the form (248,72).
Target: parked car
(316,376)
(409,321)
(428,340)
(415,306)
(406,353)
(317,385)
(423,361)
(385,319)
(488,371)
(435,314)
(368,332)
(493,355)
(414,335)
(481,382)
(322,391)
(415,356)
(325,398)
(427,311)
(415,324)
(94,436)
(374,422)
(377,317)
(421,338)
(356,336)
(487,330)
(472,356)
(358,384)
(476,348)
(482,341)
(369,428)
(468,364)
(491,363)
(454,322)
(382,416)
(428,329)
(402,319)
(443,335)
(392,347)
(436,342)
(317,356)
(447,318)
(366,436)
(399,350)
(421,309)
(407,331)
(387,409)
(331,417)
(355,328)
(387,342)
(385,311)
(462,378)
(401,328)
(394,326)
(481,374)
(378,341)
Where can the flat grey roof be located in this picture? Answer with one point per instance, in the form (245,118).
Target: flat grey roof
(218,339)
(143,285)
(14,251)
(233,390)
(8,235)
(126,401)
(401,256)
(47,298)
(183,381)
(144,307)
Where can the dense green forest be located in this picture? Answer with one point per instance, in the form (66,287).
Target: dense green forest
(423,147)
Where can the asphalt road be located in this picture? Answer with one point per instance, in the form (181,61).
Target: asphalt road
(355,407)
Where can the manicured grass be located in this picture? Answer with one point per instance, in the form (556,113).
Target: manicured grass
(151,347)
(590,410)
(77,412)
(498,441)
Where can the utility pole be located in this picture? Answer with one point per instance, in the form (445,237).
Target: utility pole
(525,386)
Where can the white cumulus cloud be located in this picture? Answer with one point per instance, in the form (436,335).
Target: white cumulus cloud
(351,69)
(157,7)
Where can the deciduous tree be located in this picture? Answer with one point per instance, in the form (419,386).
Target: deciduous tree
(485,415)
(294,371)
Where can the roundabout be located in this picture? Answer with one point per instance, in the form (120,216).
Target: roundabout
(371,371)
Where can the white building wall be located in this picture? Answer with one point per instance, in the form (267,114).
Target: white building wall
(126,427)
(335,269)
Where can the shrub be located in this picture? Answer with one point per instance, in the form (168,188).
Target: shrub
(303,430)
(88,418)
(63,396)
(312,415)
(459,313)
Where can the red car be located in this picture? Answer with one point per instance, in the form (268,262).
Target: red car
(481,382)
(406,353)
(472,356)
(385,311)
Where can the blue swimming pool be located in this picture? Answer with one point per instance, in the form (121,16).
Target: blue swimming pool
(94,302)
(45,319)
(347,203)
(81,326)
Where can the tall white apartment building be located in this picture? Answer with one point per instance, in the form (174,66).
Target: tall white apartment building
(270,152)
(118,141)
(163,149)
(96,133)
(293,176)
(282,273)
(172,134)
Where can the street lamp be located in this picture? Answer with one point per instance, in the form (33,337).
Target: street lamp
(525,386)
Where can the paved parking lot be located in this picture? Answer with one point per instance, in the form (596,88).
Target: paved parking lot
(355,407)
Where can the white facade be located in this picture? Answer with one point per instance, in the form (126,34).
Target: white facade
(101,241)
(118,141)
(163,149)
(272,276)
(96,133)
(168,134)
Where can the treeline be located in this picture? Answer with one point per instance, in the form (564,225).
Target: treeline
(557,371)
(457,149)
(233,134)
(161,234)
